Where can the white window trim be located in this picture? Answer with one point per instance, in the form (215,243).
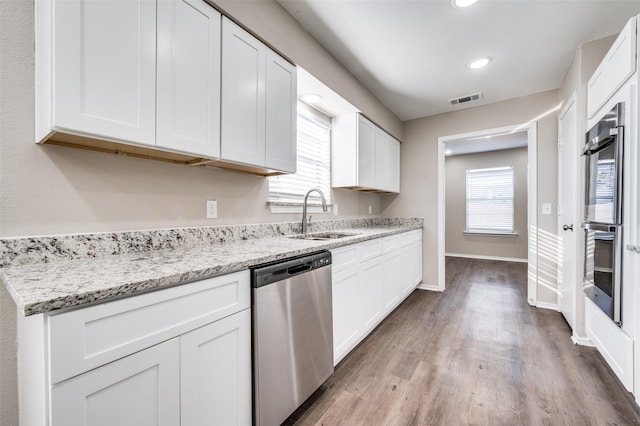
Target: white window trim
(488,230)
(295,206)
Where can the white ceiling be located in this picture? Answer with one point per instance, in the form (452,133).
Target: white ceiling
(412,54)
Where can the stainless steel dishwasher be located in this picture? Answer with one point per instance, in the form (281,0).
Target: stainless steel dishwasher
(292,334)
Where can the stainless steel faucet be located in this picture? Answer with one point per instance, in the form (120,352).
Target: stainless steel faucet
(305,222)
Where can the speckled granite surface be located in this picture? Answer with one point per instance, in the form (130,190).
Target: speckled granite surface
(48,273)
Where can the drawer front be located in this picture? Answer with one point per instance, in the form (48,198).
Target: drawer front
(391,243)
(344,258)
(88,338)
(412,236)
(369,249)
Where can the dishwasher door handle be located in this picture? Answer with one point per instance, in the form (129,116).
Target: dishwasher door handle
(298,268)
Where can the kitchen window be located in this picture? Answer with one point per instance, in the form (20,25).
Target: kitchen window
(490,201)
(313,164)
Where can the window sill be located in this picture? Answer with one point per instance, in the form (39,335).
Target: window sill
(491,233)
(281,207)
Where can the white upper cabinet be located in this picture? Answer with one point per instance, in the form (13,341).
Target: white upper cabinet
(98,67)
(614,70)
(366,148)
(258,103)
(281,94)
(243,87)
(363,156)
(169,80)
(188,90)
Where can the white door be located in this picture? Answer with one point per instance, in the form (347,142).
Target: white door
(105,69)
(347,320)
(569,279)
(381,160)
(393,162)
(215,373)
(188,92)
(370,278)
(142,389)
(281,109)
(366,153)
(243,96)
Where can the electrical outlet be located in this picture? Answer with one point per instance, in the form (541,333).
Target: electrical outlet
(212,209)
(370,210)
(335,210)
(546,208)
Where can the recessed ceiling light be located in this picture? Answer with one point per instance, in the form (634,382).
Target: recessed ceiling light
(311,98)
(479,63)
(448,152)
(462,3)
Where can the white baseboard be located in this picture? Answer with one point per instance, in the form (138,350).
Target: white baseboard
(546,305)
(429,287)
(582,341)
(477,256)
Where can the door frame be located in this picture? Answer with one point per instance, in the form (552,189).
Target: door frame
(532,200)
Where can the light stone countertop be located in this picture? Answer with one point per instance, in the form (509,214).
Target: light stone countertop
(47,286)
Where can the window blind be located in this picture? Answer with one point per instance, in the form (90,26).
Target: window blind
(490,200)
(313,160)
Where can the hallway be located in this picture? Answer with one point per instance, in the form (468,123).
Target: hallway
(475,354)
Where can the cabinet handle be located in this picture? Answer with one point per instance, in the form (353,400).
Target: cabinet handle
(635,249)
(568,227)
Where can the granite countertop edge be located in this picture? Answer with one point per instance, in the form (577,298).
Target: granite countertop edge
(49,287)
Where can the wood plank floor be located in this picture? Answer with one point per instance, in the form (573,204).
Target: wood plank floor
(476,354)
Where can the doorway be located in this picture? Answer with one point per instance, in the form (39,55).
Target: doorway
(529,130)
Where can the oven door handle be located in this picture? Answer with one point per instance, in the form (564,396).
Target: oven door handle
(599,227)
(601,141)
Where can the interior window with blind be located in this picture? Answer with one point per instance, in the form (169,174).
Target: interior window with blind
(490,200)
(314,160)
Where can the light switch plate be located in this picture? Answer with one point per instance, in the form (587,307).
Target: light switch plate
(546,208)
(335,210)
(212,209)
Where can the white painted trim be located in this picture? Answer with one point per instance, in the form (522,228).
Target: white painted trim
(477,256)
(532,199)
(428,287)
(582,341)
(298,209)
(547,305)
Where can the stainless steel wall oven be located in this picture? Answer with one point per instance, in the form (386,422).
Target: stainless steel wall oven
(604,152)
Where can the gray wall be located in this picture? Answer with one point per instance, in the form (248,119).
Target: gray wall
(419,173)
(455,205)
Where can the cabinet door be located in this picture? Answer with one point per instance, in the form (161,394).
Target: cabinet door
(215,372)
(366,153)
(391,280)
(411,260)
(347,320)
(105,69)
(393,164)
(243,96)
(142,389)
(281,112)
(188,93)
(370,277)
(381,160)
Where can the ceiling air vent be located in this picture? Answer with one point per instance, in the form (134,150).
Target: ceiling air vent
(464,99)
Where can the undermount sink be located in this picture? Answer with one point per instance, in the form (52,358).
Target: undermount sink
(323,236)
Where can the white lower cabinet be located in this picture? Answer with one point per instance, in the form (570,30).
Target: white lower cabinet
(370,279)
(370,285)
(346,312)
(142,389)
(176,356)
(215,373)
